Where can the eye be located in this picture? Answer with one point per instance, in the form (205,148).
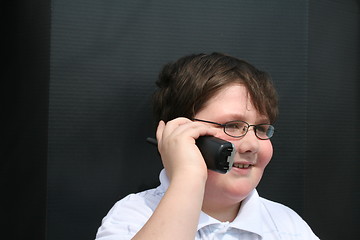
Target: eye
(233,125)
(262,128)
(264,131)
(236,127)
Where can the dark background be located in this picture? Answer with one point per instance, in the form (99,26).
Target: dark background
(79,74)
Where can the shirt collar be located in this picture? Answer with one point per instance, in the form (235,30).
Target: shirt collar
(164,181)
(248,218)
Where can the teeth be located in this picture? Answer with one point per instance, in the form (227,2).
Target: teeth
(240,165)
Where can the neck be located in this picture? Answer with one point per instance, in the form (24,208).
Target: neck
(220,211)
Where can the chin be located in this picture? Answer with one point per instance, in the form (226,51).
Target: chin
(240,190)
(235,189)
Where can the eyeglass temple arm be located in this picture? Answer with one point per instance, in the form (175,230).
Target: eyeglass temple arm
(219,124)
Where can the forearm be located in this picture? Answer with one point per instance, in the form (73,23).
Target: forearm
(177,214)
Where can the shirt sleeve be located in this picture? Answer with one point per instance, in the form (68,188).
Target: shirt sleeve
(124,219)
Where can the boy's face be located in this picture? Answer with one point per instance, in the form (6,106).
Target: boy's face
(252,154)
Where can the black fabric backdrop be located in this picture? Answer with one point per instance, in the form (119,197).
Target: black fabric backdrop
(82,74)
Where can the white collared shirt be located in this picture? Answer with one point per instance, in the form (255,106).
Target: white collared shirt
(258,218)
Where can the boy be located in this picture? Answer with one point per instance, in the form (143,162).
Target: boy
(221,96)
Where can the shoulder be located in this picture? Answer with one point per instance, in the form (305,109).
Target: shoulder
(140,204)
(279,208)
(129,214)
(286,220)
(280,212)
(149,198)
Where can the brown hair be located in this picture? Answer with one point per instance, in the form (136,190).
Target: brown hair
(186,85)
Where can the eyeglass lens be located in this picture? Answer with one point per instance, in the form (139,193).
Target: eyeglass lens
(238,129)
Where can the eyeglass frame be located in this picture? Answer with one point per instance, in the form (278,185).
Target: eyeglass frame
(247,129)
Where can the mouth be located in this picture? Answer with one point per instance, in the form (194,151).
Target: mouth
(242,165)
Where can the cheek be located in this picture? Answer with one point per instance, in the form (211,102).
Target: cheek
(220,134)
(265,154)
(265,151)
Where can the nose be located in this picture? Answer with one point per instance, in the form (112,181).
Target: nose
(248,143)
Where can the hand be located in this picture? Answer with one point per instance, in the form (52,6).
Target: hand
(176,144)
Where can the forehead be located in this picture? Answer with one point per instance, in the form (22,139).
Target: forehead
(233,94)
(232,102)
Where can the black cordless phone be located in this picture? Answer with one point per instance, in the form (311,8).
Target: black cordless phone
(218,153)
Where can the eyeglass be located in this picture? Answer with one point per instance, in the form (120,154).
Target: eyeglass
(239,128)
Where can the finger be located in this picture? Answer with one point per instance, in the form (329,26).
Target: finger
(191,129)
(175,127)
(184,127)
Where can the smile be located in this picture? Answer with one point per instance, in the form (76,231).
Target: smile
(241,165)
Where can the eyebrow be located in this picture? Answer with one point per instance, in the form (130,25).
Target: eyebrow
(232,117)
(263,120)
(236,116)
